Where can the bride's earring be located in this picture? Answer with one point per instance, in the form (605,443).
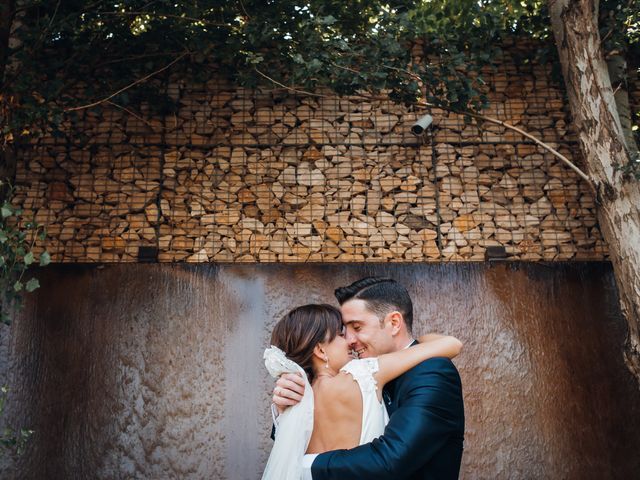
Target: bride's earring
(326,359)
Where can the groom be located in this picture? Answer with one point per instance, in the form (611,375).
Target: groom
(425,433)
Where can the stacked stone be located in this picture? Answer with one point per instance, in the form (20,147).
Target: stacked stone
(329,203)
(97,199)
(208,116)
(516,196)
(249,176)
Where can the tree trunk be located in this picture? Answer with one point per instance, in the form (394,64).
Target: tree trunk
(7,157)
(7,11)
(617,66)
(601,138)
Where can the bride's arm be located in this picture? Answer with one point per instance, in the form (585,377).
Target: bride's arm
(392,365)
(428,337)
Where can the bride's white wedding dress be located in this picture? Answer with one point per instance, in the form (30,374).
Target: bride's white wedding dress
(295,425)
(374,413)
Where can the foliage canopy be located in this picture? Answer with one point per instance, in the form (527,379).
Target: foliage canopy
(363,45)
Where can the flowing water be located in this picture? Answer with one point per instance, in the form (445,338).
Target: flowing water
(155,371)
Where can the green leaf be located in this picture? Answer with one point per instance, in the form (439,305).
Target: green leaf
(6,210)
(17,287)
(32,285)
(3,236)
(45,259)
(328,20)
(28,259)
(314,64)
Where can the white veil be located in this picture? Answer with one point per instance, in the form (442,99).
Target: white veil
(294,427)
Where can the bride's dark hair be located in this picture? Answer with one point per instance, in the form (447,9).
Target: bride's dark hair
(300,330)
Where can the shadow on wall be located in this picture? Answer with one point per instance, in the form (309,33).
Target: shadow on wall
(155,371)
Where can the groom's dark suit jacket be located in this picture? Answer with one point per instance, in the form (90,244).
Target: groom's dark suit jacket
(423,439)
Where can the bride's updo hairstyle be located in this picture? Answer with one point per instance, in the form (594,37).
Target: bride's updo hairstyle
(300,330)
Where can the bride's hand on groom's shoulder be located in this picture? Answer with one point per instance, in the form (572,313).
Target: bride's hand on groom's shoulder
(288,391)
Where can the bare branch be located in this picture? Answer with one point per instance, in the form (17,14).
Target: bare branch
(295,90)
(611,30)
(244,9)
(55,12)
(130,112)
(544,145)
(167,15)
(407,72)
(539,142)
(90,105)
(137,57)
(346,68)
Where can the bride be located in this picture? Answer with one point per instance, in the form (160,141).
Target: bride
(343,408)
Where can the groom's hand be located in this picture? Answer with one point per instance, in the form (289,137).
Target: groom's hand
(288,391)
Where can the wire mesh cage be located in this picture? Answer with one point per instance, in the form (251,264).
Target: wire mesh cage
(219,173)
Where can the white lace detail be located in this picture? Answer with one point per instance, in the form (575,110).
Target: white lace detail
(277,362)
(363,371)
(374,413)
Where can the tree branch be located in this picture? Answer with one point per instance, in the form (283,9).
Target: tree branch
(407,72)
(137,57)
(167,15)
(130,112)
(244,9)
(288,88)
(611,30)
(90,105)
(55,12)
(544,145)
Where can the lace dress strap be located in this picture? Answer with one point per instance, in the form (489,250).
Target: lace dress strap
(374,414)
(363,371)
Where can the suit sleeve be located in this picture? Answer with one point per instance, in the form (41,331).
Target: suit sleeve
(427,415)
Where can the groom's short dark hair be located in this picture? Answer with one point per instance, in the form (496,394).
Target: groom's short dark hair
(382,295)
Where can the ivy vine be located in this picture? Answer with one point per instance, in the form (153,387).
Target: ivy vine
(18,236)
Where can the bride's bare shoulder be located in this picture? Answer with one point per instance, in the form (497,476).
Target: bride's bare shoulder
(340,387)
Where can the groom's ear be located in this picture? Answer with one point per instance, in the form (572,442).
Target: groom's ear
(396,320)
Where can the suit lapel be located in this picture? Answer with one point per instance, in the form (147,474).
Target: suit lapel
(388,394)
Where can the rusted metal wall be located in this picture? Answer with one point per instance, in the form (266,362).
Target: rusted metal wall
(155,371)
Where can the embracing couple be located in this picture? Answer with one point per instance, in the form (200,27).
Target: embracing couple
(394,412)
